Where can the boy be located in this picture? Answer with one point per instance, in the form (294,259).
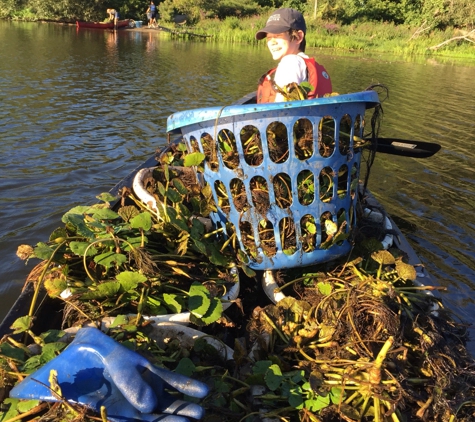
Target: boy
(152,12)
(285,33)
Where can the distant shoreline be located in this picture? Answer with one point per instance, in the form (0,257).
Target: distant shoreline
(380,38)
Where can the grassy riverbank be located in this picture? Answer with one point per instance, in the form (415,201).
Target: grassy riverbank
(377,37)
(367,36)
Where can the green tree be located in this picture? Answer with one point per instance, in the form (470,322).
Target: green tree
(134,9)
(9,7)
(196,10)
(167,10)
(349,11)
(237,9)
(462,13)
(68,10)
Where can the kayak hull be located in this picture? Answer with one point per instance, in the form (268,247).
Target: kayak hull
(102,25)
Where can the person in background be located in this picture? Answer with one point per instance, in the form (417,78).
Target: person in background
(152,12)
(285,33)
(113,16)
(149,17)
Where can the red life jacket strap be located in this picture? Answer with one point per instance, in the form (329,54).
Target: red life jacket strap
(317,76)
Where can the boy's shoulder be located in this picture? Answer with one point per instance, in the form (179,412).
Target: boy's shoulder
(294,60)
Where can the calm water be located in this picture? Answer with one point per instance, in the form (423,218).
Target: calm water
(80,109)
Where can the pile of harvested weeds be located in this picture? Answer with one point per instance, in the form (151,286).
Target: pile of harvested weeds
(353,340)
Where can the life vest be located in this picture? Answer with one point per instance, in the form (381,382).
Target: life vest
(317,76)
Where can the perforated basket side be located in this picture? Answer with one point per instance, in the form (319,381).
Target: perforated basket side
(283,234)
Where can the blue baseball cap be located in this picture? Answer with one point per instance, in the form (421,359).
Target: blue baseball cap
(282,20)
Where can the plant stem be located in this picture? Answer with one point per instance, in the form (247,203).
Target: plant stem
(42,276)
(283,337)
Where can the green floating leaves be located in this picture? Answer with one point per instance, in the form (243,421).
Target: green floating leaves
(295,397)
(52,336)
(119,320)
(9,351)
(80,248)
(134,242)
(102,291)
(76,223)
(221,387)
(43,251)
(405,271)
(109,259)
(55,286)
(129,280)
(9,409)
(199,300)
(127,212)
(107,197)
(311,227)
(324,288)
(215,256)
(336,395)
(59,233)
(186,367)
(261,366)
(273,377)
(142,221)
(203,308)
(103,213)
(50,350)
(22,324)
(73,213)
(383,257)
(317,403)
(154,306)
(172,303)
(214,312)
(194,159)
(181,189)
(26,405)
(174,196)
(197,228)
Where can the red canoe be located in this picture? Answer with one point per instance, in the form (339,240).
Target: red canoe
(102,25)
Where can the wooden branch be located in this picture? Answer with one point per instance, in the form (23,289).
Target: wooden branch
(183,32)
(467,37)
(420,30)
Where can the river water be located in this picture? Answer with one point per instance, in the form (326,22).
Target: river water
(80,109)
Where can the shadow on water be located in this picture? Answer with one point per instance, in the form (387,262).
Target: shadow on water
(406,226)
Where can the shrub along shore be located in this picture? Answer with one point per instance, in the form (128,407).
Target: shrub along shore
(370,36)
(376,37)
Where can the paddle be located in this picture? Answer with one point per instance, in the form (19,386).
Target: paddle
(407,148)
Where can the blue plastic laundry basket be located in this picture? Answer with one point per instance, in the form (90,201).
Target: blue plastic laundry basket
(284,175)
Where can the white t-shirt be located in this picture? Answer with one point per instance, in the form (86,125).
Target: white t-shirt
(292,68)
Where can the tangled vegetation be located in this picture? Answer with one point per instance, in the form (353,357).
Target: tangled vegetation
(357,339)
(308,186)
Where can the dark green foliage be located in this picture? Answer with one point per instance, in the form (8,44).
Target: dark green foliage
(11,8)
(237,8)
(70,11)
(133,9)
(377,10)
(167,10)
(430,14)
